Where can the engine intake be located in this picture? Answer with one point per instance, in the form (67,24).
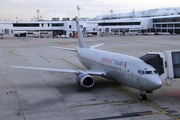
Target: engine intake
(85,80)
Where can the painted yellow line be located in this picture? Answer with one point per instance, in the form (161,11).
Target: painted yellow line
(69,56)
(67,45)
(128,93)
(148,103)
(163,111)
(70,63)
(12,52)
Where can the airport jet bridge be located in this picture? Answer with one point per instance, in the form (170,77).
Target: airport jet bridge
(166,63)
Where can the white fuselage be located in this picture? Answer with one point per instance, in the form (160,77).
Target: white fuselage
(125,69)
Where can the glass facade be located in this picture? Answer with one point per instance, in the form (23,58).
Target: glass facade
(25,24)
(174,19)
(119,23)
(171,25)
(57,24)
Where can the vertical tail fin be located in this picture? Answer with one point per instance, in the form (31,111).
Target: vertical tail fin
(81,41)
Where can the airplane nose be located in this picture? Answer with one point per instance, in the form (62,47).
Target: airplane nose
(157,83)
(153,83)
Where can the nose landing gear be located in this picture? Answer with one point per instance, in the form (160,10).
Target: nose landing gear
(143,95)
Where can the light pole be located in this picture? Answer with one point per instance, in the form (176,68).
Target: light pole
(111,11)
(78,8)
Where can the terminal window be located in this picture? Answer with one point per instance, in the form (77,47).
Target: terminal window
(119,23)
(25,25)
(176,64)
(57,24)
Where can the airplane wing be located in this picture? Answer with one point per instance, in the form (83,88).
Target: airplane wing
(91,72)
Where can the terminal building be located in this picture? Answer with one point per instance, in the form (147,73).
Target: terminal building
(154,21)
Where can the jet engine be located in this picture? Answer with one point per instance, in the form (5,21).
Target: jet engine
(85,80)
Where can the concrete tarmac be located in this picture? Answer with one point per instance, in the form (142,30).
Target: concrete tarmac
(45,95)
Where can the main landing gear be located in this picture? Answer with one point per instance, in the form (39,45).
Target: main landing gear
(143,95)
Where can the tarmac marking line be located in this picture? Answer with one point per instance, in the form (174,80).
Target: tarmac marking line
(70,63)
(150,104)
(125,115)
(161,110)
(66,45)
(39,56)
(113,103)
(11,52)
(69,57)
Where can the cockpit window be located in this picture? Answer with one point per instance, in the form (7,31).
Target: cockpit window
(149,72)
(155,72)
(141,72)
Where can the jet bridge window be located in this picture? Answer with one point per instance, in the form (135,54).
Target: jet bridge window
(141,72)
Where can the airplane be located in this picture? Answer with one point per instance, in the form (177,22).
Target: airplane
(125,69)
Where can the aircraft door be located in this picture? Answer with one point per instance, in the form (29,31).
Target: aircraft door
(139,78)
(128,71)
(99,64)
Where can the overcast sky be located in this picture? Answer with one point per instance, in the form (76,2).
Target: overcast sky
(26,9)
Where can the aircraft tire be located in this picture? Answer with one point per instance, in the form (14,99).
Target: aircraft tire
(142,97)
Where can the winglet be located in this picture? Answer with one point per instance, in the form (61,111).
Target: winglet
(81,41)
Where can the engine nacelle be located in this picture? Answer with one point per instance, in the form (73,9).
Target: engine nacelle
(85,80)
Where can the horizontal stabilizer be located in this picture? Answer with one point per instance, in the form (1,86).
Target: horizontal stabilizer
(94,46)
(62,48)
